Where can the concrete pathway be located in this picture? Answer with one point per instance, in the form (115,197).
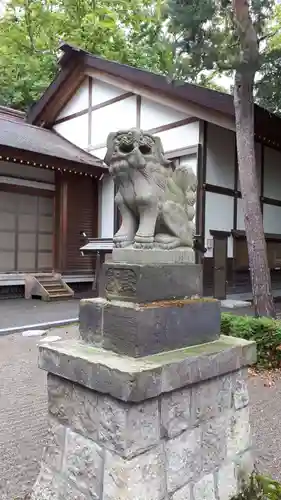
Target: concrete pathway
(249,311)
(23,412)
(21,312)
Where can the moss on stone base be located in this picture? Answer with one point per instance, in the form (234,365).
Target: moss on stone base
(178,302)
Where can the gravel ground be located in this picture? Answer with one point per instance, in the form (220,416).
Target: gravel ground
(23,410)
(23,415)
(265,394)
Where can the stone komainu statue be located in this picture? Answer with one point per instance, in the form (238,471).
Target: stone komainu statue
(156,200)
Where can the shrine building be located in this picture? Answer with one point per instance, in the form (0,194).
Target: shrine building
(55,188)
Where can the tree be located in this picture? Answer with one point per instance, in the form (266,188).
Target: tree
(225,35)
(128,31)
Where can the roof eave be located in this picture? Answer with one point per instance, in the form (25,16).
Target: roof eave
(67,65)
(73,56)
(36,159)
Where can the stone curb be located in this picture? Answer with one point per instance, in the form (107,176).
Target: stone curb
(48,324)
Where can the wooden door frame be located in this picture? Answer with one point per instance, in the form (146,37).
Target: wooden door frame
(220,235)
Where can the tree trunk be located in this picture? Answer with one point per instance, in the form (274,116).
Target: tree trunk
(244,115)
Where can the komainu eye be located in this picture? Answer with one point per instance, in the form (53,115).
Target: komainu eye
(145,149)
(126,143)
(126,147)
(146,144)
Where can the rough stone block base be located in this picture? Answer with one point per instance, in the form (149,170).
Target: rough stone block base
(141,330)
(165,427)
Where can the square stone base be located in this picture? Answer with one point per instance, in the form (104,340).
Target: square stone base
(172,426)
(131,255)
(149,282)
(142,329)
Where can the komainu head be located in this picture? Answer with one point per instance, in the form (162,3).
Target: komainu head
(133,149)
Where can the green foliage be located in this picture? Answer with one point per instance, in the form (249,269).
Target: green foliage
(259,487)
(208,34)
(128,31)
(207,37)
(268,87)
(266,332)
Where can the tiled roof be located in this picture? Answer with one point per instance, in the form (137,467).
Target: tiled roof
(23,136)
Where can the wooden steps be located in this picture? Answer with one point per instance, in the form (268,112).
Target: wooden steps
(48,286)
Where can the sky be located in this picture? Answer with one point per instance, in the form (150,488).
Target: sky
(2,6)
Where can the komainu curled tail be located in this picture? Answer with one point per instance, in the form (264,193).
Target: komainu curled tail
(178,209)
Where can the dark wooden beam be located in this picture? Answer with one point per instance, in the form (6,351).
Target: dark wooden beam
(138,120)
(94,108)
(262,177)
(90,99)
(37,233)
(220,234)
(170,126)
(268,236)
(63,224)
(236,183)
(212,188)
(271,201)
(61,97)
(176,153)
(57,94)
(165,128)
(11,188)
(60,223)
(201,179)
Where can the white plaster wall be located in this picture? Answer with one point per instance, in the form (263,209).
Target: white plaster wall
(220,162)
(218,216)
(272,173)
(155,115)
(120,115)
(180,137)
(189,108)
(100,153)
(102,92)
(33,173)
(271,219)
(79,101)
(106,204)
(258,166)
(75,130)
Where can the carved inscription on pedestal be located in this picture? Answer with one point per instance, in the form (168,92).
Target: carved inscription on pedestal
(120,282)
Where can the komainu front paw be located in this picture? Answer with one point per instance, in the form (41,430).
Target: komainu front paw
(167,241)
(142,241)
(122,240)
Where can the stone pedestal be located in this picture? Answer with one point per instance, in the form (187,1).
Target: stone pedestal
(172,426)
(151,403)
(140,330)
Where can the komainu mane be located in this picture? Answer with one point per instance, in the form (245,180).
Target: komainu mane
(156,200)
